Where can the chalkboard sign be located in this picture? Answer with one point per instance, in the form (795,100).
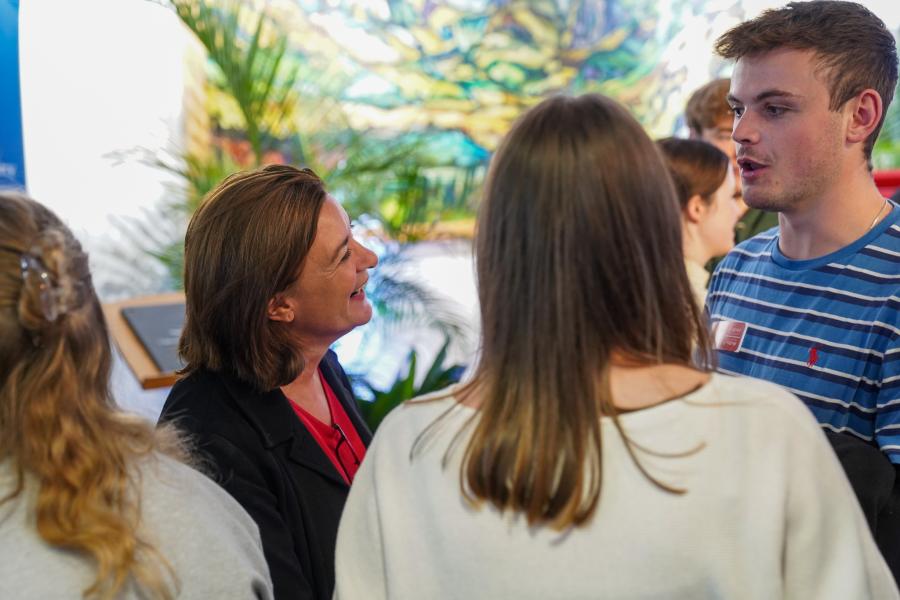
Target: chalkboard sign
(158,327)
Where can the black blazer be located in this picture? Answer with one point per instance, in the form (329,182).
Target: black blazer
(257,448)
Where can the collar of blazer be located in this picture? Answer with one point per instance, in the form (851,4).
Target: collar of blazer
(271,415)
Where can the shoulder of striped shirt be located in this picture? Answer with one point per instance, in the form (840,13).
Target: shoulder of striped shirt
(761,238)
(887,247)
(771,397)
(798,408)
(824,289)
(754,247)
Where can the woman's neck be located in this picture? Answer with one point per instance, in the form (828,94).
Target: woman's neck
(634,384)
(306,389)
(695,251)
(639,386)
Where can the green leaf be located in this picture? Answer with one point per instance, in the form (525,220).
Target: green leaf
(404,387)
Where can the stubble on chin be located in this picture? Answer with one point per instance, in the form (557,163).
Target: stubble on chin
(760,200)
(782,200)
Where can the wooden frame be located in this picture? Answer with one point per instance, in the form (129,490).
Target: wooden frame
(137,358)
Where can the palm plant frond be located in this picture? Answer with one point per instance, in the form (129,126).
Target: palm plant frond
(254,73)
(403,301)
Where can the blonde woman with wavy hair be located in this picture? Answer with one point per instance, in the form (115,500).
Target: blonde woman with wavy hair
(588,457)
(94,502)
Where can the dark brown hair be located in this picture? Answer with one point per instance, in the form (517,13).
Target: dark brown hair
(59,425)
(697,168)
(246,243)
(578,257)
(707,106)
(855,50)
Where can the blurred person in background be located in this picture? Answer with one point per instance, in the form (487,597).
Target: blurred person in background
(588,457)
(273,277)
(94,502)
(706,192)
(709,118)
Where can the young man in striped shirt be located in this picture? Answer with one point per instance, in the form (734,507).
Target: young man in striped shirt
(814,304)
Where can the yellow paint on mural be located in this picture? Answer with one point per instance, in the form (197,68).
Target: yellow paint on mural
(429,41)
(444,16)
(613,40)
(487,97)
(553,82)
(420,85)
(544,33)
(463,105)
(405,53)
(502,47)
(366,116)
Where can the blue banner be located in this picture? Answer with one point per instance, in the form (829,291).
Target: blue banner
(12,154)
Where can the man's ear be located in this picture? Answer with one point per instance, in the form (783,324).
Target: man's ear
(865,111)
(279,309)
(694,209)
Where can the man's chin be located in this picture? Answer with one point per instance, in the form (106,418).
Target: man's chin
(762,202)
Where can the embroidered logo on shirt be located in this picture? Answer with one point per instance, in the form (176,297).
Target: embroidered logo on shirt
(813,356)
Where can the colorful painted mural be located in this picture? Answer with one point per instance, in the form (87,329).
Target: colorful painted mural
(399,104)
(451,76)
(462,70)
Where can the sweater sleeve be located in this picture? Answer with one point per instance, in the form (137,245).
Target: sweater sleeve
(828,550)
(359,557)
(212,544)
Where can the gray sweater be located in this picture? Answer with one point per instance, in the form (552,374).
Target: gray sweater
(209,540)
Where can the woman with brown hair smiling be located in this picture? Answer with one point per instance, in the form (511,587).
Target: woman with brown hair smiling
(273,277)
(588,457)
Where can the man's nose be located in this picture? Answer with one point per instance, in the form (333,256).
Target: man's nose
(745,130)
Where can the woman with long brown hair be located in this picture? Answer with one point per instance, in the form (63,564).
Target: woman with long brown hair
(93,501)
(710,204)
(588,457)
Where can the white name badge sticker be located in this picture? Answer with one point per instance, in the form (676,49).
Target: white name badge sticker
(728,336)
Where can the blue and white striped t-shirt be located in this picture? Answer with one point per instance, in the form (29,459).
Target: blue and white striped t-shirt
(826,329)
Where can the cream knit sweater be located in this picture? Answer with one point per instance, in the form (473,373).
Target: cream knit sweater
(767,513)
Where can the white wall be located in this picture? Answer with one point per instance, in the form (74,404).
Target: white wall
(100,77)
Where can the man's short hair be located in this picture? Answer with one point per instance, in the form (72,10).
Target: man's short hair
(708,106)
(854,49)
